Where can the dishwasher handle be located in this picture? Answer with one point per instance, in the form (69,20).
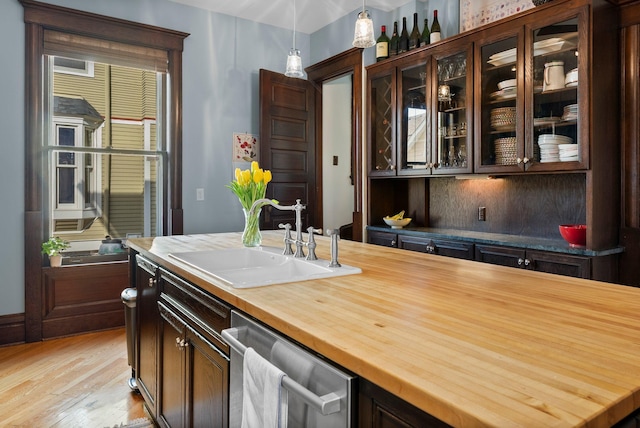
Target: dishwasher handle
(326,405)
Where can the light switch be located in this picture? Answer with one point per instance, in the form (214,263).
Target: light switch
(335,160)
(200,194)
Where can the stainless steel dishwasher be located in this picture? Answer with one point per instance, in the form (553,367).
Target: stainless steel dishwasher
(319,394)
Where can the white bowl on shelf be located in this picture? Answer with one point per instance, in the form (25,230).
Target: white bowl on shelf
(397,224)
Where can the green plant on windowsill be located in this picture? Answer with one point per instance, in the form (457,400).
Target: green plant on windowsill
(53,247)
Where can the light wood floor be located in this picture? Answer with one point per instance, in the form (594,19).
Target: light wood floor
(79,381)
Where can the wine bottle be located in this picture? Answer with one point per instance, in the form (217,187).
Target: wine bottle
(382,45)
(395,40)
(435,28)
(403,44)
(425,39)
(414,37)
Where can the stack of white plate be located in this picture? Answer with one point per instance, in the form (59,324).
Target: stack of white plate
(549,151)
(568,152)
(505,149)
(570,112)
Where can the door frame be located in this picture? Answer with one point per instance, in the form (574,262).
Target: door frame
(347,62)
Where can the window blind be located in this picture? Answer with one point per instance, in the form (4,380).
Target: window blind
(109,52)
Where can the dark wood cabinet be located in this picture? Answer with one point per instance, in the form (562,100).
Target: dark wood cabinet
(441,247)
(541,261)
(507,124)
(147,331)
(378,408)
(383,238)
(193,360)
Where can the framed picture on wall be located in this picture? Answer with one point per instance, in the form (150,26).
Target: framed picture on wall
(474,13)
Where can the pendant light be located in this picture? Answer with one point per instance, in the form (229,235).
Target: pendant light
(294,62)
(363,37)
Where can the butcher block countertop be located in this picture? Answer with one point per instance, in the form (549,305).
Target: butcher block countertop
(472,344)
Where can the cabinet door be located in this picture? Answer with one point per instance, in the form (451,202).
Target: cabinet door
(499,99)
(147,325)
(414,117)
(560,264)
(377,408)
(559,112)
(208,383)
(453,103)
(385,239)
(505,256)
(382,121)
(173,345)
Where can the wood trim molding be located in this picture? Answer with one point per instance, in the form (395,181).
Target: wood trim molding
(12,329)
(347,62)
(38,17)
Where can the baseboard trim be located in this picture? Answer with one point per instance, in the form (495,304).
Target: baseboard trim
(12,329)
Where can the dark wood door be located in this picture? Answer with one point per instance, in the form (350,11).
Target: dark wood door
(147,331)
(171,402)
(208,383)
(288,146)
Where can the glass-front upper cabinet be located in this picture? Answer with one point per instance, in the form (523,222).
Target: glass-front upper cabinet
(381,122)
(557,143)
(452,148)
(533,114)
(499,122)
(414,118)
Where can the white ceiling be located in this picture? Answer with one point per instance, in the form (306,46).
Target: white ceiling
(311,15)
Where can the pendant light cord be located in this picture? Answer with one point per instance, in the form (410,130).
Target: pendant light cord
(294,24)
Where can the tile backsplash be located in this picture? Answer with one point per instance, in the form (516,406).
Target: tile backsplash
(532,205)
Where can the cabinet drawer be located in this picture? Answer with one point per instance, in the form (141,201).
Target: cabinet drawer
(386,239)
(441,247)
(205,313)
(504,256)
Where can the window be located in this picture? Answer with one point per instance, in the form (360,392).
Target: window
(105,181)
(73,66)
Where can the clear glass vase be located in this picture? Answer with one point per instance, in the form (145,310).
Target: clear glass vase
(251,236)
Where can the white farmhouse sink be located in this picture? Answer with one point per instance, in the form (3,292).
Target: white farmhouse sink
(259,266)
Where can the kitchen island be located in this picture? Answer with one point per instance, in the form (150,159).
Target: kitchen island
(471,344)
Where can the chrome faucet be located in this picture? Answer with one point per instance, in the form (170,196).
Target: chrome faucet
(298,241)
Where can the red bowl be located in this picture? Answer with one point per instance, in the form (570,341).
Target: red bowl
(574,234)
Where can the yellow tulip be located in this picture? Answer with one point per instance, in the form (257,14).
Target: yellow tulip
(267,177)
(246,177)
(257,176)
(238,175)
(254,166)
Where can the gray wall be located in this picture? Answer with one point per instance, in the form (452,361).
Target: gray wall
(221,61)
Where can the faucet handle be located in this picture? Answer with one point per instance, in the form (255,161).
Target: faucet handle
(287,239)
(311,230)
(311,243)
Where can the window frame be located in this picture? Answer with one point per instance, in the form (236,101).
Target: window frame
(108,35)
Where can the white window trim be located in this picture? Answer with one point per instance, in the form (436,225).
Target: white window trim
(78,210)
(87,72)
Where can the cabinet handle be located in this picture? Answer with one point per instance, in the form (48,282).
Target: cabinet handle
(180,343)
(518,161)
(525,160)
(431,249)
(394,243)
(152,282)
(525,262)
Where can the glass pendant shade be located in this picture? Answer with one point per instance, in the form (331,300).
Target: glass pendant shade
(363,37)
(294,64)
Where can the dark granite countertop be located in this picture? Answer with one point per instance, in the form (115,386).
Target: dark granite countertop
(519,241)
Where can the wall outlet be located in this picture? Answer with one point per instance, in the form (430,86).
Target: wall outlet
(200,194)
(482,214)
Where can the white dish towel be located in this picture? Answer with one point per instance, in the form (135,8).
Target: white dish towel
(264,400)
